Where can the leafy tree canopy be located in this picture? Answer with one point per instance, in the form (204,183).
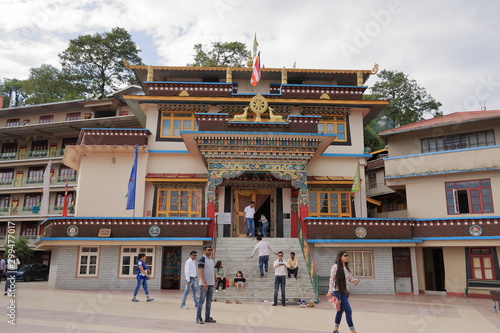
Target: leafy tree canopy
(95,62)
(23,251)
(12,92)
(220,54)
(47,84)
(408,102)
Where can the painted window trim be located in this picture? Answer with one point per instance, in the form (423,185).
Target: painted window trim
(140,249)
(80,254)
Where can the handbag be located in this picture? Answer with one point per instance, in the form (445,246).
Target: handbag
(227,282)
(336,302)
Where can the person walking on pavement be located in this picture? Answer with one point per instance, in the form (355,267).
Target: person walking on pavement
(207,284)
(3,267)
(292,265)
(249,218)
(279,279)
(263,247)
(190,272)
(339,287)
(142,278)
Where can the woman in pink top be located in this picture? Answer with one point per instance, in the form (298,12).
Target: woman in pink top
(339,287)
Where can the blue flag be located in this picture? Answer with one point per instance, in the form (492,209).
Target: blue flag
(132,182)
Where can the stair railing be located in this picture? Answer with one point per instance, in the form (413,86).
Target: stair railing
(311,264)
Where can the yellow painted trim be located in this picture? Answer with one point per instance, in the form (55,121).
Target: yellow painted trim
(348,182)
(348,244)
(177,179)
(50,244)
(159,99)
(373,201)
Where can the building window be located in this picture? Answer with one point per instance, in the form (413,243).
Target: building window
(4,203)
(323,204)
(172,123)
(46,119)
(129,257)
(9,150)
(6,176)
(481,260)
(3,229)
(372,180)
(361,263)
(68,142)
(459,141)
(29,229)
(66,173)
(73,116)
(35,175)
(469,197)
(60,200)
(88,261)
(334,125)
(39,148)
(32,200)
(179,203)
(13,122)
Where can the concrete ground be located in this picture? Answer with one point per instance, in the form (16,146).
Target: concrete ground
(38,308)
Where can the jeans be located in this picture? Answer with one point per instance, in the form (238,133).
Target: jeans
(205,294)
(250,227)
(279,280)
(144,283)
(220,281)
(344,307)
(192,286)
(263,261)
(10,278)
(265,225)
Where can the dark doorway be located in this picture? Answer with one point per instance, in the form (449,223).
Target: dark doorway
(401,259)
(434,269)
(171,268)
(265,209)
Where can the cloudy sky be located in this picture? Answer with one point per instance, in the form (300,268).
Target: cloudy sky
(451,48)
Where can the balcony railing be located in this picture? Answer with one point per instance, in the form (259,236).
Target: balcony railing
(33,210)
(31,154)
(200,89)
(30,238)
(34,181)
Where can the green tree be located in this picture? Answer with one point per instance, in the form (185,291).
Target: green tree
(47,84)
(23,251)
(220,54)
(408,102)
(12,92)
(95,62)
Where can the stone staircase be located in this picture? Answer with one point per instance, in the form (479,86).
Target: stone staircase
(235,254)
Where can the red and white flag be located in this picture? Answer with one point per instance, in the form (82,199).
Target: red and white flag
(256,73)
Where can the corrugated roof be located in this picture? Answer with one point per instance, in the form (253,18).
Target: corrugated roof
(449,119)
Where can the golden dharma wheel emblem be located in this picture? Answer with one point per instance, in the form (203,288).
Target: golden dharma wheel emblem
(258,105)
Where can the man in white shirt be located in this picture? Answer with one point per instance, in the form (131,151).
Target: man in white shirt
(249,218)
(263,247)
(279,279)
(3,267)
(190,272)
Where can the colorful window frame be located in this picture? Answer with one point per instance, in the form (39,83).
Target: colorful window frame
(46,119)
(178,202)
(172,123)
(469,197)
(334,125)
(482,264)
(326,203)
(458,141)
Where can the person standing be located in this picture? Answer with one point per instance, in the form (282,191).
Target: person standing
(190,272)
(263,247)
(292,265)
(3,267)
(12,264)
(339,287)
(142,278)
(249,218)
(279,279)
(207,284)
(265,224)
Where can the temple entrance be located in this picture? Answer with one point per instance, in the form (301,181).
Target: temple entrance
(243,197)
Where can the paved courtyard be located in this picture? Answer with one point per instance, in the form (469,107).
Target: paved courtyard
(39,308)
